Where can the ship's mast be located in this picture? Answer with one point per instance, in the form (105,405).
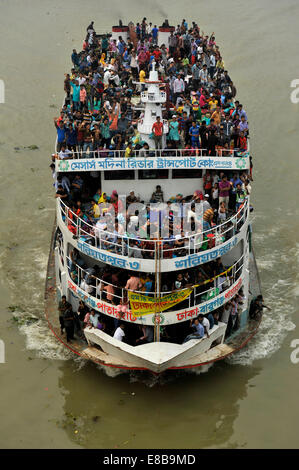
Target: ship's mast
(152,99)
(157,289)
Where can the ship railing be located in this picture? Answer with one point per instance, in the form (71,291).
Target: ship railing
(154,153)
(105,240)
(220,283)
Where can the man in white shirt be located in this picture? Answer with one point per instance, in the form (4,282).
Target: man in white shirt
(212,65)
(107,76)
(199,52)
(205,203)
(115,78)
(226,312)
(64,182)
(86,287)
(65,153)
(100,228)
(178,87)
(81,79)
(149,28)
(94,318)
(203,75)
(205,323)
(119,332)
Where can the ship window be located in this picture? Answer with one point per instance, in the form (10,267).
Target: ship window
(152,174)
(120,175)
(194,173)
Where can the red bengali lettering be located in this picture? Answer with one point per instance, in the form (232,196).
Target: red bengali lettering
(234,290)
(132,318)
(72,286)
(181,316)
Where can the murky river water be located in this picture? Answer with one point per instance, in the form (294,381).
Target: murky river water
(46,398)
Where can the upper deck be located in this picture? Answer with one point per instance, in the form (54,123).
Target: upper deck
(139,254)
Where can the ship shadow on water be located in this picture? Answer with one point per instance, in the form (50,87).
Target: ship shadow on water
(177,409)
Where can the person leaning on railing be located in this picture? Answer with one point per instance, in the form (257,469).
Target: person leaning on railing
(198,330)
(224,188)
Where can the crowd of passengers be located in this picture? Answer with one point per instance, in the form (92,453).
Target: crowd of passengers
(201,109)
(106,223)
(73,323)
(98,115)
(112,284)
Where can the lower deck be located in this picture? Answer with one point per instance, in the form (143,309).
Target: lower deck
(95,353)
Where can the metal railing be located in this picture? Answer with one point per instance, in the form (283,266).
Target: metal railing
(96,286)
(124,244)
(144,153)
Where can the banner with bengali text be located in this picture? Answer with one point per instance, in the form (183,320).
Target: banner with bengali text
(144,305)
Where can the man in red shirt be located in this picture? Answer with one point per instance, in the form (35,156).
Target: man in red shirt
(158,132)
(242,142)
(157,53)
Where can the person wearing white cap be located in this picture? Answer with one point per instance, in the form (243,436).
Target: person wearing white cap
(205,203)
(174,136)
(107,76)
(132,197)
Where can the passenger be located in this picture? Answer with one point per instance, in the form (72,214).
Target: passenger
(198,330)
(224,189)
(101,323)
(226,312)
(213,318)
(133,283)
(119,332)
(61,192)
(240,196)
(256,307)
(65,153)
(158,195)
(148,335)
(157,130)
(205,203)
(205,323)
(62,307)
(81,312)
(68,321)
(93,319)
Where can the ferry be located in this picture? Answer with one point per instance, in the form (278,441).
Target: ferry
(147,269)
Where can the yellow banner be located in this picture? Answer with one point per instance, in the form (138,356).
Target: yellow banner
(143,305)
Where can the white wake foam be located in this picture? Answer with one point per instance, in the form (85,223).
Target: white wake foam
(40,339)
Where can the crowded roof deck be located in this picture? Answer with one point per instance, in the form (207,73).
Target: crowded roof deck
(196,93)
